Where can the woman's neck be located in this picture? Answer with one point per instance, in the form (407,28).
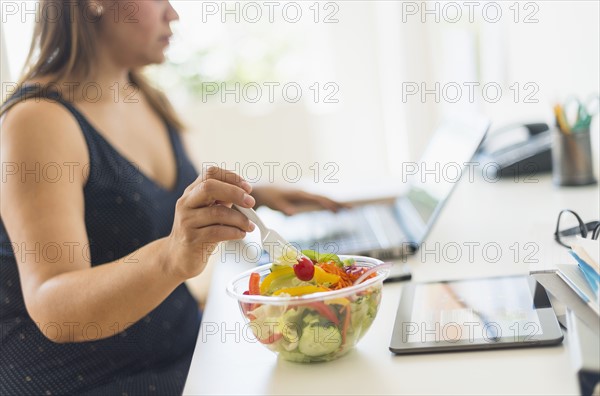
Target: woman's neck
(106,81)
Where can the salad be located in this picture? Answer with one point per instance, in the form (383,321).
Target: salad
(319,330)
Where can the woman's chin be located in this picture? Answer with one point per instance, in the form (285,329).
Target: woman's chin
(160,59)
(154,59)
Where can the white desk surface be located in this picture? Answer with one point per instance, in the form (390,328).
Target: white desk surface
(227,360)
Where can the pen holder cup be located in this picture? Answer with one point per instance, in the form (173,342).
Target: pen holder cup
(572,163)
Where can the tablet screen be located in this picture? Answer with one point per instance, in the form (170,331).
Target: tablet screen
(472,310)
(475,313)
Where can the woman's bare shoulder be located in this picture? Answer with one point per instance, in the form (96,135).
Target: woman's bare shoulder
(44,129)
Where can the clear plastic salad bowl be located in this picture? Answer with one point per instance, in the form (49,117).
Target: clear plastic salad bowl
(315,327)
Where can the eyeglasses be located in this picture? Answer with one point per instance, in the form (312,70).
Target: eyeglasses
(569,226)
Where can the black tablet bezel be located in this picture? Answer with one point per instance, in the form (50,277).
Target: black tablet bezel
(551,332)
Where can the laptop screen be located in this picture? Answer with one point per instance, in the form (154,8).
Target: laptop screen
(433,177)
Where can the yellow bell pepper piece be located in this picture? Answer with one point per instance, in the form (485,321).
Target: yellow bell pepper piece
(300,290)
(264,286)
(338,301)
(321,276)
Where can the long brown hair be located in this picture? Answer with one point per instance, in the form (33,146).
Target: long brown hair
(63,46)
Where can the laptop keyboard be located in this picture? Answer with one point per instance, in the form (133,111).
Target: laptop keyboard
(355,230)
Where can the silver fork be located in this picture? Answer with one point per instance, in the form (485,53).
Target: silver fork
(272,242)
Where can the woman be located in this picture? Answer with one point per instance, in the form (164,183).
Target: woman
(103,216)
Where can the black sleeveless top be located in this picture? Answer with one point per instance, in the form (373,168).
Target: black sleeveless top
(124,210)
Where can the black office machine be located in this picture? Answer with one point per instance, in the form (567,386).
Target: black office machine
(517,151)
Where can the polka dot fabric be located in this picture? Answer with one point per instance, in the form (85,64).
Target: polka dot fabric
(124,210)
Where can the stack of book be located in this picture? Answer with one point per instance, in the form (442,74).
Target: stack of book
(573,290)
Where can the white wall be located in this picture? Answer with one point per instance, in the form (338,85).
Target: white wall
(344,138)
(375,48)
(4,68)
(558,56)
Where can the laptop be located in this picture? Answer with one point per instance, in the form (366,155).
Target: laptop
(393,228)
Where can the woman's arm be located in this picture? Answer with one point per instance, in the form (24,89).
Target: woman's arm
(290,201)
(44,216)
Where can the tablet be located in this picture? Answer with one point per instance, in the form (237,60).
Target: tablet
(502,312)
